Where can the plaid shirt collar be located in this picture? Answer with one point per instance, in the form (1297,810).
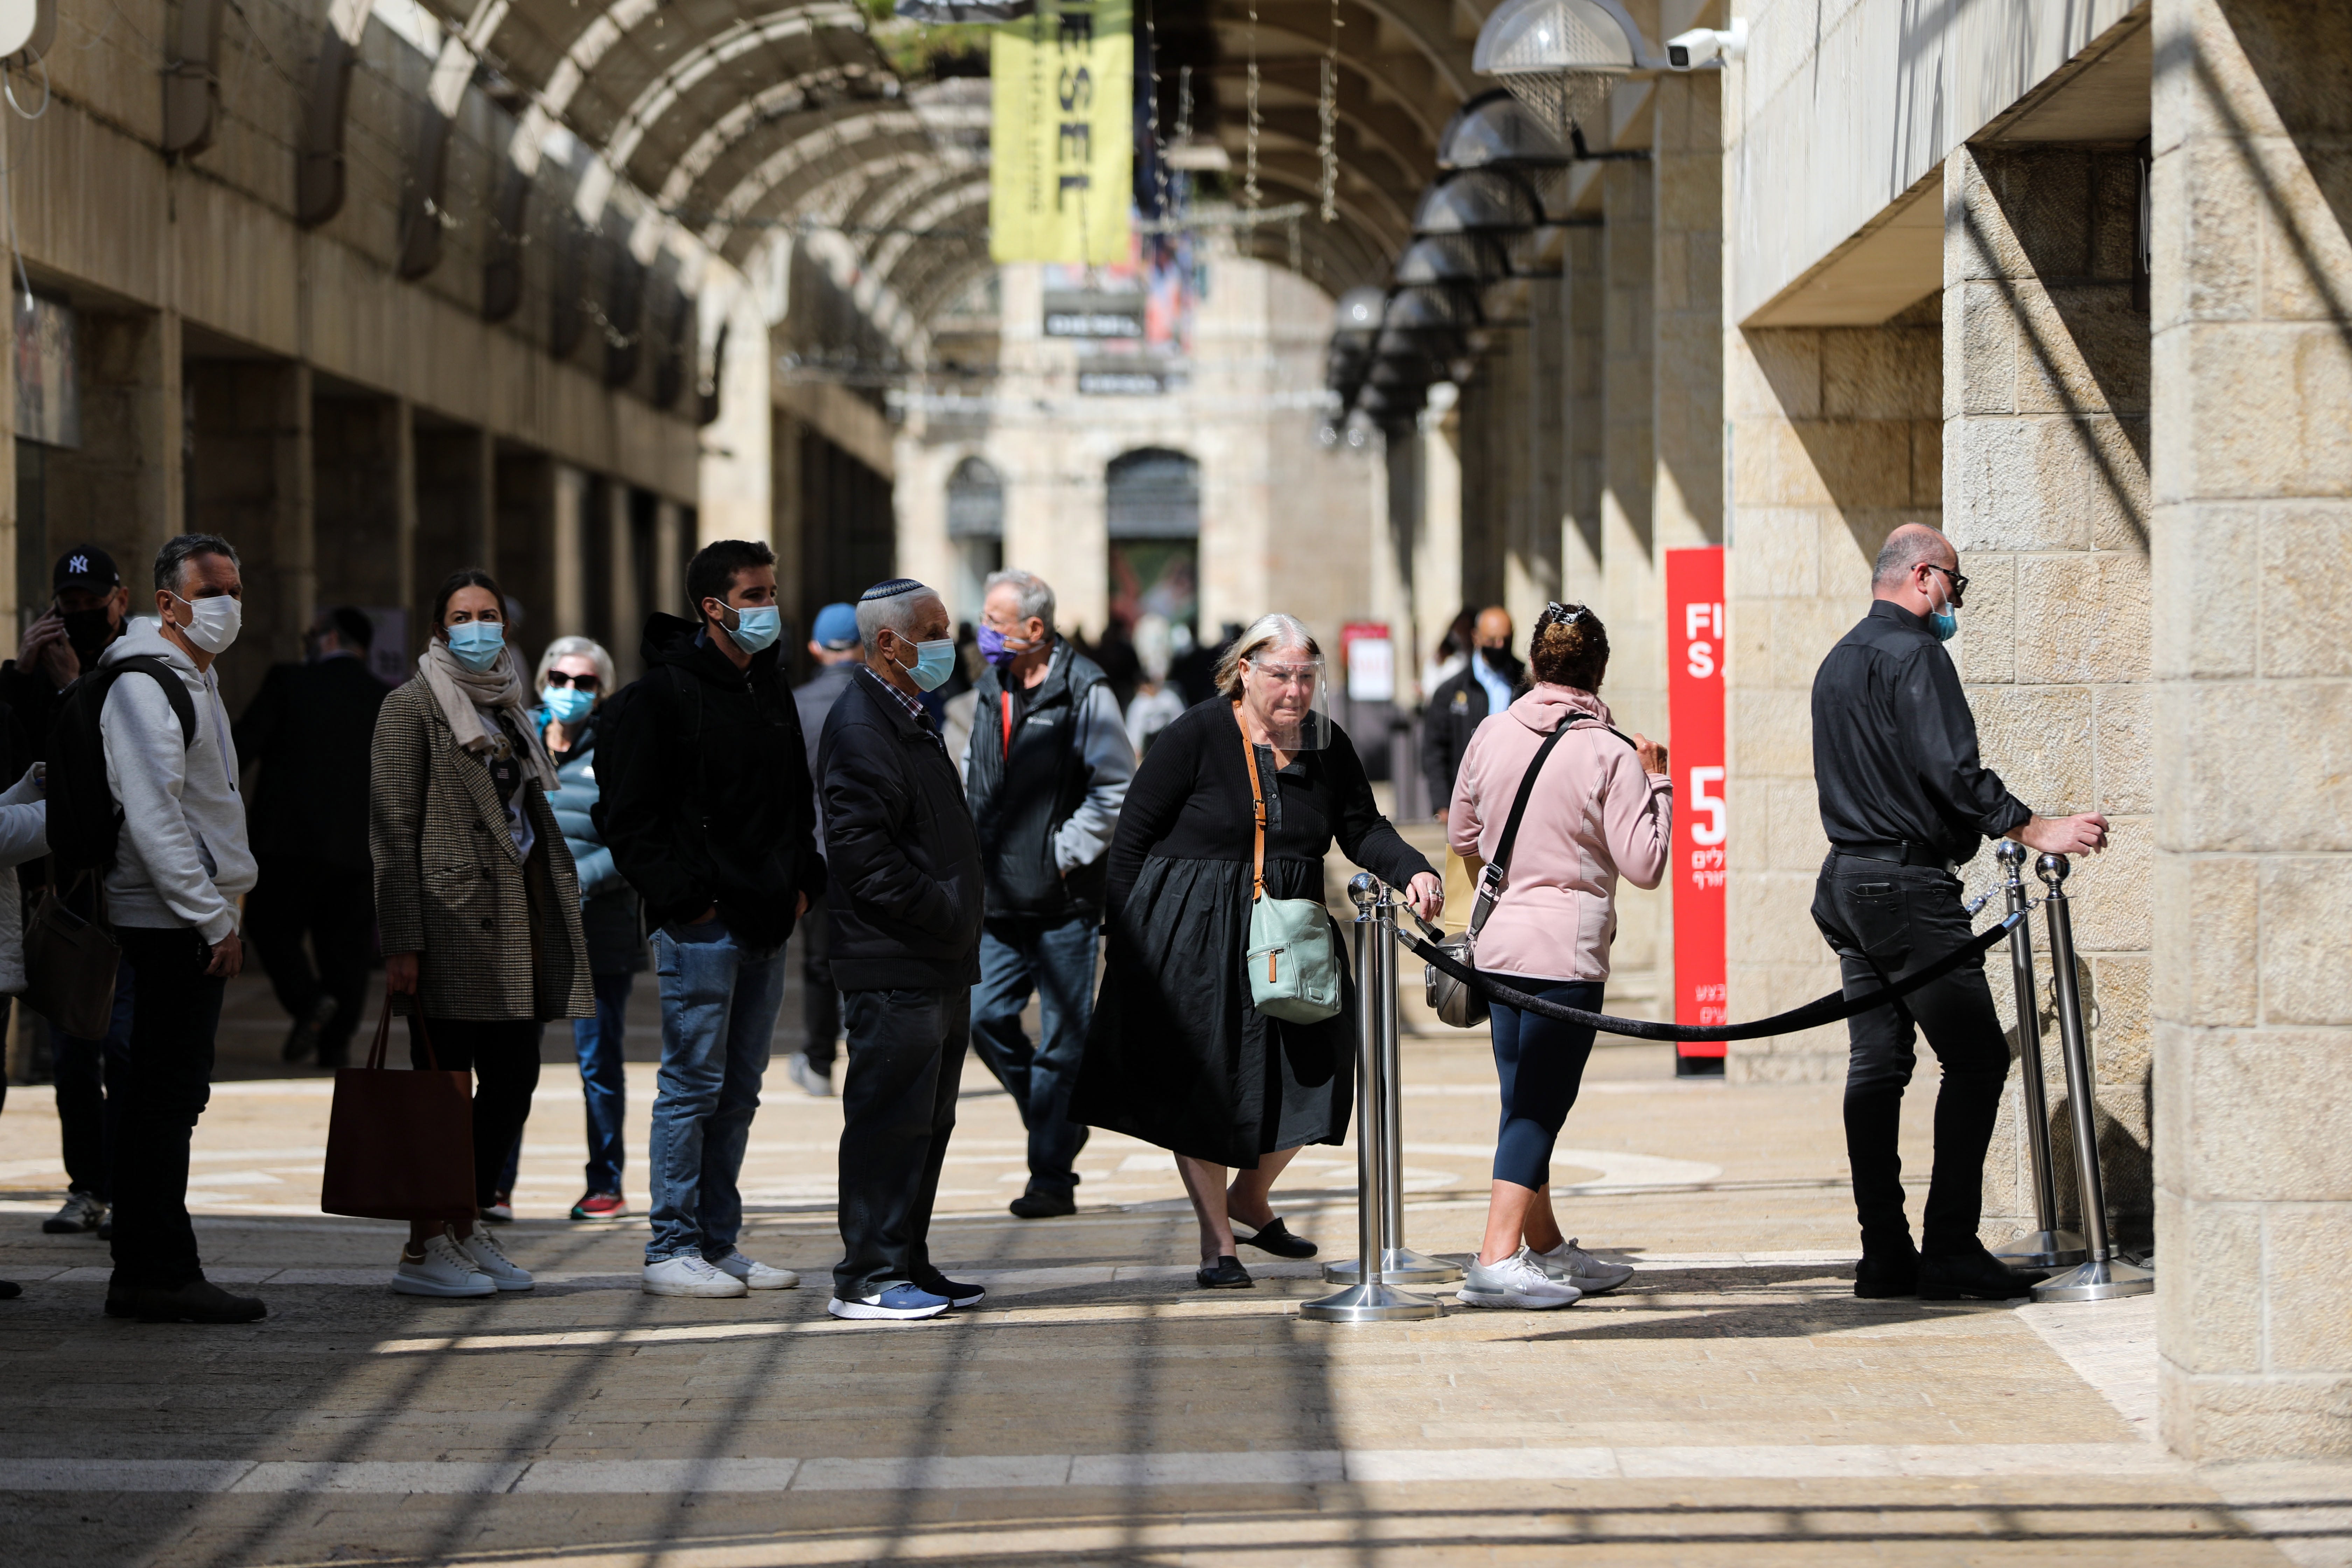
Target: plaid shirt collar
(915,710)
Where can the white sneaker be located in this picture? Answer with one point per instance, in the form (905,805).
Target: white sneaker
(756,1276)
(1517,1281)
(1589,1274)
(813,1080)
(81,1214)
(486,1255)
(689,1275)
(443,1272)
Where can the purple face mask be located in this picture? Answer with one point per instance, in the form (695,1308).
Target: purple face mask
(996,650)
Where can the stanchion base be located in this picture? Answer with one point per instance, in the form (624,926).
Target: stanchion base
(1399,1266)
(1375,1303)
(2042,1249)
(2097,1280)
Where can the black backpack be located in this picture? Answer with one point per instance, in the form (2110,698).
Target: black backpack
(85,821)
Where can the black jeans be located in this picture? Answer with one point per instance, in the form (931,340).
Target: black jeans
(898,1109)
(337,907)
(176,1012)
(91,1077)
(820,1003)
(1884,920)
(503,1056)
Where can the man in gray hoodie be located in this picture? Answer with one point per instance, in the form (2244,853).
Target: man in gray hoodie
(181,865)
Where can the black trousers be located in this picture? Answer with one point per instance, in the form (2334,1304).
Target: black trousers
(898,1109)
(1885,919)
(503,1056)
(91,1078)
(820,1003)
(335,906)
(175,1012)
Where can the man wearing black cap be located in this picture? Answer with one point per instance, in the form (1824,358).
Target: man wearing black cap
(903,895)
(87,611)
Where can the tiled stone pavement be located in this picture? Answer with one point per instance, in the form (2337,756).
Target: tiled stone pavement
(1733,1405)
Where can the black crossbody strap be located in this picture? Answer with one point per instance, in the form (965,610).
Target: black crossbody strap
(1491,880)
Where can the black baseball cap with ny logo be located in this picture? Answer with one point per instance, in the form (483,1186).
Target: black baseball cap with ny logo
(85,566)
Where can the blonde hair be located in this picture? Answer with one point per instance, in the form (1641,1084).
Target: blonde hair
(1275,630)
(565,648)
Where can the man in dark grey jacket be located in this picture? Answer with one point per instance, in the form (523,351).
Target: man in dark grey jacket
(904,899)
(1047,771)
(833,643)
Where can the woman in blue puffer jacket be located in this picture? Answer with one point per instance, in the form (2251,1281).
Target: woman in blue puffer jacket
(576,675)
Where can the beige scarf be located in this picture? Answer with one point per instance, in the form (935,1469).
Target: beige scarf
(467,697)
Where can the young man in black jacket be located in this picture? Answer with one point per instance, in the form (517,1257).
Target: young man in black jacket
(904,895)
(1046,771)
(709,814)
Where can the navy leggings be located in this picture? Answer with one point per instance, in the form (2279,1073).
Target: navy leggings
(1540,1062)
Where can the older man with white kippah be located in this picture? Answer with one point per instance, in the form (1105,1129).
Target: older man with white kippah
(904,898)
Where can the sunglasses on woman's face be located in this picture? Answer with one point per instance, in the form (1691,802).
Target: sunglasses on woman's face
(557,679)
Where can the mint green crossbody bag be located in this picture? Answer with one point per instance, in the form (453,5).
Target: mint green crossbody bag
(1294,972)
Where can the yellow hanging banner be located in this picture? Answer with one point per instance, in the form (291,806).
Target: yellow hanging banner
(1062,140)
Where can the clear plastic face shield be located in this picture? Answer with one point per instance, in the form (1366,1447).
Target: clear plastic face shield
(1284,690)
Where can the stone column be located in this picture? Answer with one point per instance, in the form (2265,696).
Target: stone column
(667,584)
(794,588)
(1686,414)
(125,489)
(1584,290)
(1834,441)
(569,549)
(249,479)
(2045,496)
(627,592)
(2252,445)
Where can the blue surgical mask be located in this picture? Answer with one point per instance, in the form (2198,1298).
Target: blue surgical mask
(1944,623)
(756,626)
(476,644)
(566,704)
(934,662)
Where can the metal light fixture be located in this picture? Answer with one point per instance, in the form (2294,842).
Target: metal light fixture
(1477,201)
(1496,131)
(1462,261)
(1561,58)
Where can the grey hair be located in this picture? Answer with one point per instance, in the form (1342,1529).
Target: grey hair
(1270,631)
(171,560)
(1906,548)
(565,648)
(1034,595)
(896,612)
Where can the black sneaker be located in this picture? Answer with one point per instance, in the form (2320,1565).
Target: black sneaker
(198,1301)
(302,1039)
(1976,1277)
(1275,1237)
(958,1293)
(1044,1206)
(10,1290)
(1886,1274)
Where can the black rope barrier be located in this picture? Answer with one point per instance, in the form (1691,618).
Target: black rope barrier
(1827,1009)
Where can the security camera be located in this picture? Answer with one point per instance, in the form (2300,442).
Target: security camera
(1707,47)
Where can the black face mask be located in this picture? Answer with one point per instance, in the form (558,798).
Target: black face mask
(88,631)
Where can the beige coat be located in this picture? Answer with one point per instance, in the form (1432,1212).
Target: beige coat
(499,936)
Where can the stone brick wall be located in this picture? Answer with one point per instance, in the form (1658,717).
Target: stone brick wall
(1835,441)
(2045,496)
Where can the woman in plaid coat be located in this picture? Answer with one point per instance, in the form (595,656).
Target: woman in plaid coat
(477,900)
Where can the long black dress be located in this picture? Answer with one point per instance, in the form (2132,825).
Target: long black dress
(1177,1056)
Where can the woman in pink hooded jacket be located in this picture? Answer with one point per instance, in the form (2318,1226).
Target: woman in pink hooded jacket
(1602,808)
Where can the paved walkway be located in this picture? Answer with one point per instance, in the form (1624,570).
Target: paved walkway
(1732,1405)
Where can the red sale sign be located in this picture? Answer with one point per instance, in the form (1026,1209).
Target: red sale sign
(1695,650)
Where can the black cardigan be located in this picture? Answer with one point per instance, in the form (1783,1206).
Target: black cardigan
(1191,801)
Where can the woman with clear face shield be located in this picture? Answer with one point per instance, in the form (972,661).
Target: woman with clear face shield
(1180,1055)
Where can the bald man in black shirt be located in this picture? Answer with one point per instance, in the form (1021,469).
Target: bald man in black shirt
(1904,800)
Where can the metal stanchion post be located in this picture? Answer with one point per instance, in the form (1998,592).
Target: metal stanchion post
(2046,1246)
(1372,1300)
(2100,1276)
(1383,1099)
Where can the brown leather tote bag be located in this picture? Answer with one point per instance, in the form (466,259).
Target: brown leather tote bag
(400,1145)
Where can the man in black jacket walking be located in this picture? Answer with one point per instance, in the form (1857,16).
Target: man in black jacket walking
(904,894)
(709,813)
(312,729)
(1904,800)
(1047,771)
(1484,685)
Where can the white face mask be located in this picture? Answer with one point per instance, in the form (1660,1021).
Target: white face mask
(215,624)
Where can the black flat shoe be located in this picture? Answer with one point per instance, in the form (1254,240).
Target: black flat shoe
(121,1300)
(198,1301)
(1043,1205)
(1877,1277)
(1978,1276)
(1227,1274)
(10,1290)
(1275,1237)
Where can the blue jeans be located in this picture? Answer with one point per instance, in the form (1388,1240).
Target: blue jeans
(719,1005)
(602,1081)
(1058,961)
